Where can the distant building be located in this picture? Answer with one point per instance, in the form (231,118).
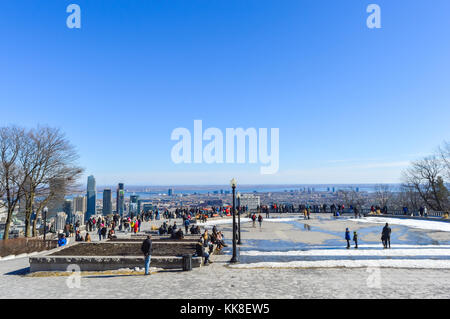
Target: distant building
(147,207)
(68,209)
(249,200)
(120,199)
(55,205)
(91,196)
(141,202)
(107,202)
(170,192)
(133,208)
(79,204)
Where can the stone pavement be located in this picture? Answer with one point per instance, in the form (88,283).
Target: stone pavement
(220,281)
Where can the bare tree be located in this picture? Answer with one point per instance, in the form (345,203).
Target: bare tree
(383,194)
(409,197)
(49,159)
(12,178)
(31,161)
(444,154)
(425,177)
(352,198)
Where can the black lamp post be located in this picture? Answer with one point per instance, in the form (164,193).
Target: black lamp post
(239,219)
(234,259)
(45,210)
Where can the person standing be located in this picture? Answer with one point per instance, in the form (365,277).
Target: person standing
(347,237)
(386,236)
(186,225)
(99,231)
(254,220)
(146,249)
(355,239)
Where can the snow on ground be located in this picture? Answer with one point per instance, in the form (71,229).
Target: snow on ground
(247,220)
(378,246)
(352,252)
(378,263)
(420,224)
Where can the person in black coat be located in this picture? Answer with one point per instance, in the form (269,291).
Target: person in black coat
(386,236)
(146,249)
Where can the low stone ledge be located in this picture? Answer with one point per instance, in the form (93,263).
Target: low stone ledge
(102,263)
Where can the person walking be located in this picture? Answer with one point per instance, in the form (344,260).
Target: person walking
(260,219)
(386,236)
(347,237)
(146,249)
(355,239)
(254,220)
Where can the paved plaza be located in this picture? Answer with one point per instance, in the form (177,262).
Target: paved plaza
(287,257)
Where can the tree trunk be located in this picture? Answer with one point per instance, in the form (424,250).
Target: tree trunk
(34,225)
(28,213)
(8,224)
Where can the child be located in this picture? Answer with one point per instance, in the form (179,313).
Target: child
(355,239)
(347,237)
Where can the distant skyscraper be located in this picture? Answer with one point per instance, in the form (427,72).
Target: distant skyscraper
(120,202)
(91,196)
(68,209)
(134,204)
(107,202)
(170,192)
(79,204)
(56,204)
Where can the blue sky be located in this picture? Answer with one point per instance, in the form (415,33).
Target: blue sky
(353,105)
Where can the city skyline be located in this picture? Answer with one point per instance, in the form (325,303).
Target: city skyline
(352,104)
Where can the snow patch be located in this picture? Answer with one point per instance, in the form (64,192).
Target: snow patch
(386,263)
(352,252)
(420,224)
